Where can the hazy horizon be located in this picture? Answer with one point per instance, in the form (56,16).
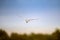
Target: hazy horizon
(48,12)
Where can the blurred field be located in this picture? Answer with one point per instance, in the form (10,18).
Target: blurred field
(15,36)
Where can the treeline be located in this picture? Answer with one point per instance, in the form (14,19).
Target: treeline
(14,36)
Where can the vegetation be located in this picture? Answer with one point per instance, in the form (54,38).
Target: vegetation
(14,36)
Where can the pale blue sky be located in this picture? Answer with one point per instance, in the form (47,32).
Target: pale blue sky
(47,10)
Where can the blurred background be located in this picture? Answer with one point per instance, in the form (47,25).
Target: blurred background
(48,12)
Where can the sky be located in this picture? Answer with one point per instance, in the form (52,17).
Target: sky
(48,12)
